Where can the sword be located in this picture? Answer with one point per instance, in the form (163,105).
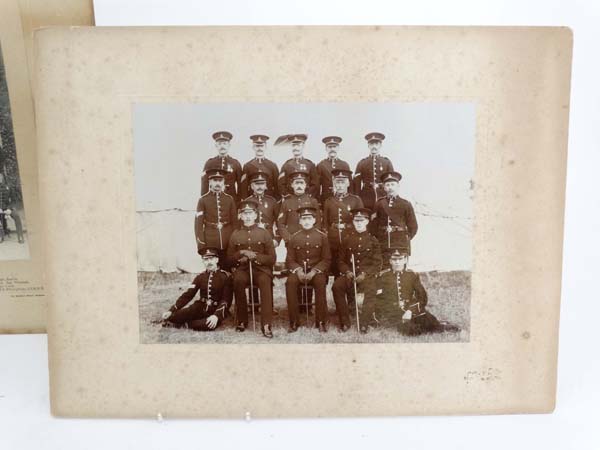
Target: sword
(306,294)
(252,296)
(355,293)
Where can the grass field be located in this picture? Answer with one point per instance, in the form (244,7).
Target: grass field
(449,300)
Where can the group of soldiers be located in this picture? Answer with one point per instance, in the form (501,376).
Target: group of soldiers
(354,227)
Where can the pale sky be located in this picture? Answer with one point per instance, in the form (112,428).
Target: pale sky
(430,144)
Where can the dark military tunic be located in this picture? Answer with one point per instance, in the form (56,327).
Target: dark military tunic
(216,217)
(308,249)
(299,165)
(288,219)
(265,166)
(399,292)
(367,178)
(266,216)
(324,169)
(215,295)
(337,221)
(259,241)
(396,224)
(233,176)
(367,259)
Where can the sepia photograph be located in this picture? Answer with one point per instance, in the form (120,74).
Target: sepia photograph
(304,222)
(13,242)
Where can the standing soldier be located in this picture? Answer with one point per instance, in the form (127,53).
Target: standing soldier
(337,217)
(8,208)
(298,164)
(251,255)
(210,310)
(267,206)
(395,217)
(260,164)
(368,171)
(224,162)
(215,216)
(288,220)
(308,260)
(402,299)
(329,164)
(360,262)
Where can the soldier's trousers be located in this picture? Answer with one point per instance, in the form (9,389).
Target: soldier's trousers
(342,287)
(194,316)
(241,280)
(318,282)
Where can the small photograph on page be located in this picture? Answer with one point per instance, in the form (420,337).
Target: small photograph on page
(13,227)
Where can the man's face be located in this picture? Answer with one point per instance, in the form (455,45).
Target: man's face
(374,147)
(398,264)
(390,187)
(340,185)
(332,150)
(258,188)
(360,224)
(259,149)
(307,222)
(299,186)
(297,149)
(216,184)
(222,147)
(211,263)
(248,217)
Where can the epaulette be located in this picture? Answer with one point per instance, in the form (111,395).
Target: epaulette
(299,231)
(204,195)
(228,274)
(322,232)
(225,193)
(383,272)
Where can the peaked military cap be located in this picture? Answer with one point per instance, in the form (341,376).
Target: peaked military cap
(215,173)
(209,252)
(375,137)
(299,138)
(259,138)
(398,253)
(222,136)
(248,205)
(390,176)
(341,173)
(258,177)
(361,213)
(307,211)
(298,175)
(332,140)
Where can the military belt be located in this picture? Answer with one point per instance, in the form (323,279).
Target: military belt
(216,224)
(393,228)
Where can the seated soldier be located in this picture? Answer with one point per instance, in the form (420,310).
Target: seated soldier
(402,299)
(360,262)
(216,292)
(308,259)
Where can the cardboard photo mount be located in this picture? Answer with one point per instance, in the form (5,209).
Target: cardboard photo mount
(86,82)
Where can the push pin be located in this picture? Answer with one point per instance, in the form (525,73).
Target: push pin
(159,417)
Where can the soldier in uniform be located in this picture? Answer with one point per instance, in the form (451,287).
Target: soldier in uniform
(368,171)
(299,164)
(288,220)
(251,255)
(208,311)
(360,261)
(308,259)
(260,164)
(216,215)
(402,299)
(395,217)
(337,217)
(268,207)
(224,162)
(329,164)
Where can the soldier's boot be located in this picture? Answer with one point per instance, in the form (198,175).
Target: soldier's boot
(364,329)
(241,327)
(293,327)
(344,328)
(322,327)
(267,331)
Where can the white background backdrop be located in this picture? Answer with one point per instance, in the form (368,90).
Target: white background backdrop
(25,422)
(431,144)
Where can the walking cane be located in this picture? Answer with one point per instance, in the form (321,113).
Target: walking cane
(306,295)
(355,293)
(339,223)
(388,232)
(252,295)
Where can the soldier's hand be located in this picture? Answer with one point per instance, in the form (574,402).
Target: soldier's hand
(275,243)
(301,276)
(8,211)
(349,275)
(166,315)
(212,322)
(407,315)
(310,275)
(243,259)
(360,277)
(250,254)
